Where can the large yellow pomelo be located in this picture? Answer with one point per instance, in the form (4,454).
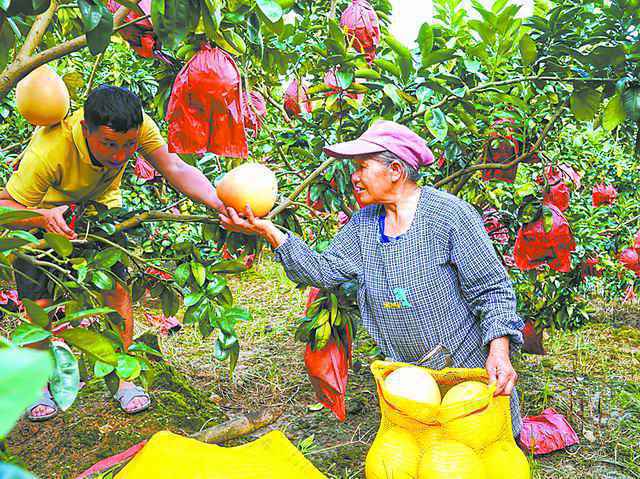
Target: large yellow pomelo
(394,454)
(42,97)
(413,383)
(505,460)
(450,460)
(250,183)
(477,429)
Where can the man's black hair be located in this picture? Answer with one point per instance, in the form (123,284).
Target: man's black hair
(113,106)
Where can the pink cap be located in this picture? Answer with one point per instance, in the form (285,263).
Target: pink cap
(390,136)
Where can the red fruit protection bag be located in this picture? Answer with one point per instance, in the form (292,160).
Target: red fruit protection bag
(205,111)
(546,433)
(362,27)
(534,246)
(255,109)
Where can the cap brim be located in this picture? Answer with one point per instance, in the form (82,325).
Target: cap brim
(349,149)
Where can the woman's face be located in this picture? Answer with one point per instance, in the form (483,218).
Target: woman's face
(373,181)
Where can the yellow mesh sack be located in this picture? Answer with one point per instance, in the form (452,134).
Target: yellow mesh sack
(171,456)
(462,440)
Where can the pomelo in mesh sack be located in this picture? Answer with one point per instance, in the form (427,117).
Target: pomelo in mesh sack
(505,460)
(394,455)
(450,460)
(413,383)
(429,435)
(477,429)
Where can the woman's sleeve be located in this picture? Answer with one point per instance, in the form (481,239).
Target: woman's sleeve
(484,282)
(340,262)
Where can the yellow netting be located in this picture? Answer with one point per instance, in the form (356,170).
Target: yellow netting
(418,440)
(170,456)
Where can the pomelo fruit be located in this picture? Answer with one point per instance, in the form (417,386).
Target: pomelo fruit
(413,383)
(450,459)
(477,429)
(42,97)
(250,183)
(394,453)
(505,460)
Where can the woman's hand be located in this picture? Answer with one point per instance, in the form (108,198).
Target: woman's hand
(499,367)
(231,221)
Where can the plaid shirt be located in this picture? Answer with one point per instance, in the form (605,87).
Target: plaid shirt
(440,284)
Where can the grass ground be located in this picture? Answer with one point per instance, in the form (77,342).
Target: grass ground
(591,376)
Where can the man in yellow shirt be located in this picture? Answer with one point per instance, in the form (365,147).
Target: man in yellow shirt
(83,158)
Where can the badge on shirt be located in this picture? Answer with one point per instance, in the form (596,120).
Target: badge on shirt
(400,295)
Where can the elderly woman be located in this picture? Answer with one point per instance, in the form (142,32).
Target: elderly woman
(427,272)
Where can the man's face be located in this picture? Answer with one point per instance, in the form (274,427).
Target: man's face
(109,147)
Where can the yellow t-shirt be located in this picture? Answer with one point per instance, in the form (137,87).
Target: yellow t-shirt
(56,168)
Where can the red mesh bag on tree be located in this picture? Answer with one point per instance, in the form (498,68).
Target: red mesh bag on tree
(631,260)
(501,148)
(589,267)
(603,195)
(535,246)
(295,99)
(558,195)
(362,27)
(205,111)
(140,36)
(255,109)
(495,229)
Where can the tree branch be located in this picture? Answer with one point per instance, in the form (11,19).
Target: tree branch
(503,166)
(37,31)
(20,68)
(275,104)
(285,204)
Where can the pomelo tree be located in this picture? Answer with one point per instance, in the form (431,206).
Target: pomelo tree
(533,121)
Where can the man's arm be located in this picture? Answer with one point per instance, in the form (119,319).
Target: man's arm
(51,219)
(185,178)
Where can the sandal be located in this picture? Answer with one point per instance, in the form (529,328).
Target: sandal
(46,400)
(126,395)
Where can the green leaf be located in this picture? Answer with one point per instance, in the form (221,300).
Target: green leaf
(7,42)
(614,113)
(228,266)
(436,123)
(219,352)
(107,258)
(24,373)
(437,56)
(603,56)
(9,471)
(36,313)
(425,39)
(528,49)
(59,243)
(271,9)
(631,102)
(27,333)
(128,367)
(395,45)
(92,343)
(65,382)
(547,219)
(25,235)
(182,273)
(199,272)
(392,92)
(91,14)
(88,312)
(102,280)
(344,78)
(170,302)
(144,348)
(98,39)
(234,354)
(237,314)
(101,369)
(584,103)
(12,243)
(215,286)
(192,298)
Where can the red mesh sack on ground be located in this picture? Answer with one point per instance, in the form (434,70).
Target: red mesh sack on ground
(362,27)
(255,109)
(140,36)
(546,433)
(295,99)
(205,111)
(535,246)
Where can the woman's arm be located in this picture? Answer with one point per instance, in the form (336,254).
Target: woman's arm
(339,263)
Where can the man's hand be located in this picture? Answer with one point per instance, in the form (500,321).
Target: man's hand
(499,367)
(54,222)
(230,220)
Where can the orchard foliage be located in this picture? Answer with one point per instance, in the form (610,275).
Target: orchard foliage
(534,121)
